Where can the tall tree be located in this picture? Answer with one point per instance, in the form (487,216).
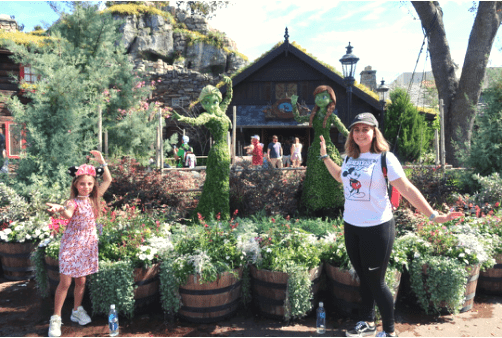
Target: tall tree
(460,95)
(81,69)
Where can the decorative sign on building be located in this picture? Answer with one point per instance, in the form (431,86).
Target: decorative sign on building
(282,109)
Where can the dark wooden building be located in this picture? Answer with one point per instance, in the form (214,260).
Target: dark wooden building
(262,92)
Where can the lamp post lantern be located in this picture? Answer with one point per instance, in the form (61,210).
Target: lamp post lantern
(349,62)
(382,93)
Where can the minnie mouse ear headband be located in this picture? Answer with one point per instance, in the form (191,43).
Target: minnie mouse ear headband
(86,169)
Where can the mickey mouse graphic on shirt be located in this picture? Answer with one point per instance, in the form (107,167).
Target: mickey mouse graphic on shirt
(359,188)
(355,185)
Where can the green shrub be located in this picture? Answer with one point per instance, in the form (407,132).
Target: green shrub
(406,128)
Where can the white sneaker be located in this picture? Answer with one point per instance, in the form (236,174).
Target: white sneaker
(80,316)
(55,326)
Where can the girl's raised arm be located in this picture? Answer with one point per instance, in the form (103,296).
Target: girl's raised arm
(107,176)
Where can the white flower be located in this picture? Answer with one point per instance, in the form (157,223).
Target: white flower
(268,250)
(7,231)
(227,257)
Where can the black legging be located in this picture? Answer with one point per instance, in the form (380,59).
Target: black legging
(369,251)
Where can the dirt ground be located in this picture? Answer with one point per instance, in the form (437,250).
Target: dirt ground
(23,313)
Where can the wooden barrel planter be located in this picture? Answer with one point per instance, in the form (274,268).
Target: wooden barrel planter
(210,302)
(470,288)
(490,281)
(147,282)
(52,267)
(344,290)
(269,290)
(16,262)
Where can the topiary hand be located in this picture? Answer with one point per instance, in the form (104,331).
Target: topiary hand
(294,99)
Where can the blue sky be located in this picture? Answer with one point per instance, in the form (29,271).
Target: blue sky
(386,35)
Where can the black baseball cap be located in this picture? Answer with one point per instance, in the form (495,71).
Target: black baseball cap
(366,118)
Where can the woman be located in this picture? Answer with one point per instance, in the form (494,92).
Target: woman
(257,152)
(368,220)
(296,153)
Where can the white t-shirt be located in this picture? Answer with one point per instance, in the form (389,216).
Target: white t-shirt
(366,197)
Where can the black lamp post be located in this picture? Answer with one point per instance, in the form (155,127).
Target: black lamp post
(349,62)
(382,93)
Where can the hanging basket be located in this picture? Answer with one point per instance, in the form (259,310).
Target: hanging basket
(16,263)
(210,302)
(270,290)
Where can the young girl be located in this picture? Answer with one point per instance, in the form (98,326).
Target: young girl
(78,254)
(296,153)
(369,225)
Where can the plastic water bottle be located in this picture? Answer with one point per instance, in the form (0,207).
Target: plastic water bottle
(321,319)
(113,321)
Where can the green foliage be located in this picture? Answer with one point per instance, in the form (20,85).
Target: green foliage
(216,192)
(406,126)
(443,285)
(169,288)
(320,191)
(436,185)
(484,153)
(76,68)
(205,8)
(132,8)
(299,296)
(113,284)
(490,188)
(41,277)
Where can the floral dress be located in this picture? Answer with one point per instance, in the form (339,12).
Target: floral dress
(78,253)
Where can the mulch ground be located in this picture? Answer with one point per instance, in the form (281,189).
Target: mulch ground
(24,313)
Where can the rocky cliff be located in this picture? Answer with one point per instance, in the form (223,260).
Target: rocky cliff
(178,39)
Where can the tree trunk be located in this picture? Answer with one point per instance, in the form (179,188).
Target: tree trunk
(460,95)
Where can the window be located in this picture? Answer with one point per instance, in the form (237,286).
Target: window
(177,102)
(285,90)
(28,74)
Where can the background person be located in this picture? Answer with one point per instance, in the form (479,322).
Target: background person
(274,153)
(369,225)
(286,153)
(296,153)
(181,152)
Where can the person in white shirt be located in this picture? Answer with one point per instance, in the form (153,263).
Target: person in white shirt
(369,225)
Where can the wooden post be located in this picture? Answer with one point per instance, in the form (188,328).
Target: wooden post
(161,141)
(106,142)
(436,146)
(100,130)
(443,151)
(234,134)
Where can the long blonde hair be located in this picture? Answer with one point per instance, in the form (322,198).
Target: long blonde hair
(93,196)
(329,109)
(378,144)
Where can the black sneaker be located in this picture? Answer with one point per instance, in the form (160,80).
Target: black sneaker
(362,329)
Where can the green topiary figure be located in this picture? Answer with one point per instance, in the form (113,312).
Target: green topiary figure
(320,191)
(216,192)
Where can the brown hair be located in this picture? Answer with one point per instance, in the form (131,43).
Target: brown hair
(329,109)
(93,197)
(378,145)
